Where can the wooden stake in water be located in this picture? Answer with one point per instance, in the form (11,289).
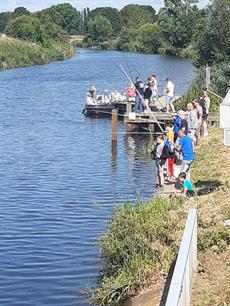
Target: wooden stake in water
(114,125)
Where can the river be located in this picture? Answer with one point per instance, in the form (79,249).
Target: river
(59,178)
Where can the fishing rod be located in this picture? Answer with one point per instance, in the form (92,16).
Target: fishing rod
(213,93)
(144,82)
(127,64)
(143,100)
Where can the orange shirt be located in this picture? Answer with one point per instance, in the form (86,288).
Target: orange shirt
(170,136)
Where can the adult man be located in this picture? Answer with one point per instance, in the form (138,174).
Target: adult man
(154,83)
(199,112)
(205,115)
(169,91)
(192,121)
(139,85)
(161,152)
(186,148)
(184,122)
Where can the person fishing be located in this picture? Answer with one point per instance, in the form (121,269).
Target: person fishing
(160,154)
(139,85)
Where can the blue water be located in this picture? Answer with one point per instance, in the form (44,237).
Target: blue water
(60,179)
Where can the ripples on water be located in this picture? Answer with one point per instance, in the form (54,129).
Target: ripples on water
(59,177)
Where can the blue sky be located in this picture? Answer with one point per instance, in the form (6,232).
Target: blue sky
(35,5)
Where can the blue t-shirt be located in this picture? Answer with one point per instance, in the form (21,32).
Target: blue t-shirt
(186,148)
(176,125)
(187,184)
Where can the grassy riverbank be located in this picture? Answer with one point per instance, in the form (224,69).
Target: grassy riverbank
(212,176)
(142,239)
(17,53)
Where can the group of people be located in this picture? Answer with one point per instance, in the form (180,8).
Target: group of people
(142,93)
(108,97)
(147,94)
(179,143)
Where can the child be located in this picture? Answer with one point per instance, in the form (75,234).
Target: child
(187,188)
(170,133)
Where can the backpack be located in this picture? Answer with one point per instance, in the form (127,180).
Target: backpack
(170,147)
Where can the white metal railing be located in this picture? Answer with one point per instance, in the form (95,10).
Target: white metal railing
(181,284)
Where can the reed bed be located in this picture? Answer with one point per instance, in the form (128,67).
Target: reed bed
(15,53)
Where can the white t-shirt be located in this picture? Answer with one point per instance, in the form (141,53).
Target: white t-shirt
(170,89)
(207,104)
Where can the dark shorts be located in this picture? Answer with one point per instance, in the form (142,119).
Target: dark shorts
(190,193)
(160,164)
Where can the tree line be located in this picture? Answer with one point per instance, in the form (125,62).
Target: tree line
(179,28)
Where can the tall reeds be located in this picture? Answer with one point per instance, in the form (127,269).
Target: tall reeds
(16,53)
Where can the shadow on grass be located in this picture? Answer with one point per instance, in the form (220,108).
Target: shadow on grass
(167,283)
(206,187)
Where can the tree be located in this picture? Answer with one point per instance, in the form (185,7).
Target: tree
(177,21)
(4,18)
(149,38)
(111,14)
(64,15)
(25,28)
(127,40)
(51,32)
(20,11)
(213,44)
(134,16)
(99,28)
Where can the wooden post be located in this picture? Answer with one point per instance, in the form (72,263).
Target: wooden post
(207,76)
(114,125)
(128,108)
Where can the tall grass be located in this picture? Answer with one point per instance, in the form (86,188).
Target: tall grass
(140,239)
(16,53)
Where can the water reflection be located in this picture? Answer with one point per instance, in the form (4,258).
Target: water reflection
(114,155)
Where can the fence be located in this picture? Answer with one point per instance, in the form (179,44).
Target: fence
(181,284)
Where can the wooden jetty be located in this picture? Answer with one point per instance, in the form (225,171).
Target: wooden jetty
(148,121)
(145,121)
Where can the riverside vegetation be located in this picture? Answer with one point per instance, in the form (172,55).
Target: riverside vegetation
(179,28)
(142,239)
(36,38)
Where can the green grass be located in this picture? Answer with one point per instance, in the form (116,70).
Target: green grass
(15,53)
(143,238)
(139,238)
